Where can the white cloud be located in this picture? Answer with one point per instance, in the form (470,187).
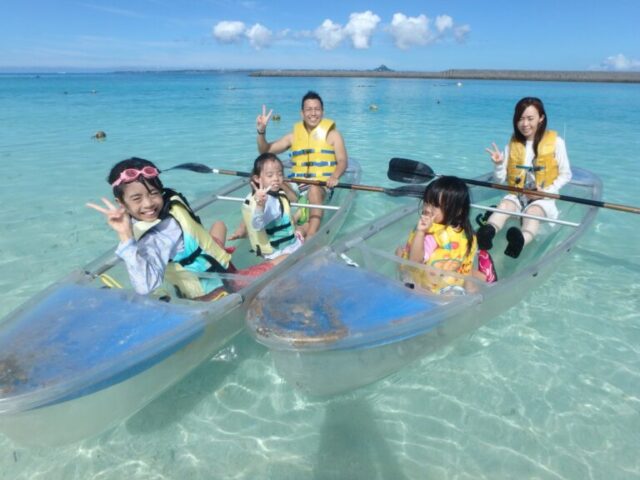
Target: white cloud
(361,27)
(405,31)
(229,31)
(443,22)
(408,31)
(329,34)
(259,36)
(621,63)
(461,33)
(411,31)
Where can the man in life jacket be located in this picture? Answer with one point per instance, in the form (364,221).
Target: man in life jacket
(317,151)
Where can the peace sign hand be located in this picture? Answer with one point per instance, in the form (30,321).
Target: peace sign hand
(496,155)
(117,218)
(263,120)
(261,194)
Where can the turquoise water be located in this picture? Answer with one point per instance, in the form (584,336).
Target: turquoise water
(548,390)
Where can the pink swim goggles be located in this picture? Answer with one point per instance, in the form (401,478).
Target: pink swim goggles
(131,174)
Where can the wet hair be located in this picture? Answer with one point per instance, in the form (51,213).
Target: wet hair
(137,163)
(263,158)
(451,195)
(311,95)
(521,106)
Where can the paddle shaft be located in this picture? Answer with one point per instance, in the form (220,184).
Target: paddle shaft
(304,205)
(526,215)
(567,198)
(408,190)
(229,172)
(351,186)
(412,171)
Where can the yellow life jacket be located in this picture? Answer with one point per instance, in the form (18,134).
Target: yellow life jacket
(311,154)
(277,234)
(450,255)
(545,165)
(201,252)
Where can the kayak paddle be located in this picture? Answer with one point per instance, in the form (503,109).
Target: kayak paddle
(411,171)
(415,191)
(405,191)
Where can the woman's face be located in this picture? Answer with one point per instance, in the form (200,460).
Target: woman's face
(529,122)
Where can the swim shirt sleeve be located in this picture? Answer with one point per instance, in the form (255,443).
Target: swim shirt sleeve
(564,168)
(270,213)
(147,259)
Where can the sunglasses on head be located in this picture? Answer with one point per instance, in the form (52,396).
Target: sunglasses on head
(131,174)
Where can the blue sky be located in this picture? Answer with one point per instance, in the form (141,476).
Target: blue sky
(41,35)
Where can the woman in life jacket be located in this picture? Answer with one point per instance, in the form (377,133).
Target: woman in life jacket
(534,159)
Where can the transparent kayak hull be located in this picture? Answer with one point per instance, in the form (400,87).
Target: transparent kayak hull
(362,323)
(80,358)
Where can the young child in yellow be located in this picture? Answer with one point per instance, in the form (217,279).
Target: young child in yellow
(443,237)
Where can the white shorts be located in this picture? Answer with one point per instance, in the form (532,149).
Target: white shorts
(548,205)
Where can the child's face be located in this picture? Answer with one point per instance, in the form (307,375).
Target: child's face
(433,212)
(270,176)
(140,203)
(529,122)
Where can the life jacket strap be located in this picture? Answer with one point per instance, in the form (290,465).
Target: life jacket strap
(275,243)
(530,168)
(272,230)
(215,265)
(308,175)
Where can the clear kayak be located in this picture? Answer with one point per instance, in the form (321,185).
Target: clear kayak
(82,356)
(367,315)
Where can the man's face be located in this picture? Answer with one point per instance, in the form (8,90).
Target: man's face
(311,113)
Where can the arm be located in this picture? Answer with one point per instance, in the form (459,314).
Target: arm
(417,247)
(276,147)
(335,138)
(291,195)
(147,259)
(564,168)
(281,145)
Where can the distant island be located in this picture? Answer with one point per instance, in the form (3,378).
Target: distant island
(533,75)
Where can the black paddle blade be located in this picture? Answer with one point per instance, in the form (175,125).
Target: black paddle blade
(416,191)
(194,167)
(409,171)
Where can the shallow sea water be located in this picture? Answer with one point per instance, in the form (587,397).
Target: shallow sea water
(548,390)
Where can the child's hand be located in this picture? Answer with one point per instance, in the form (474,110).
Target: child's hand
(261,195)
(240,232)
(496,155)
(117,218)
(424,223)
